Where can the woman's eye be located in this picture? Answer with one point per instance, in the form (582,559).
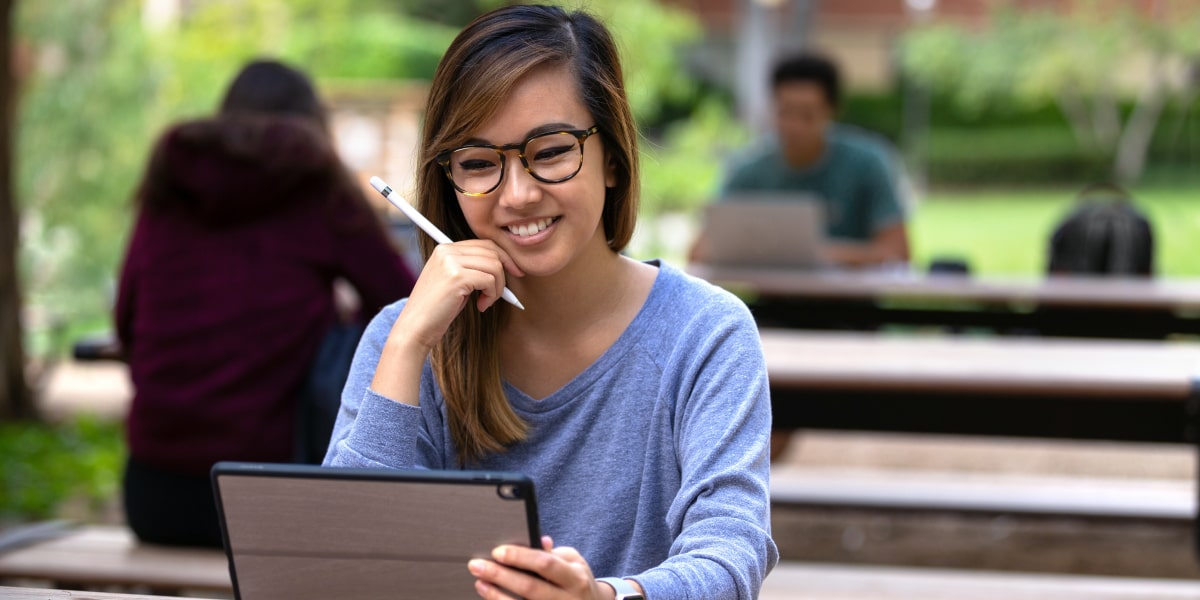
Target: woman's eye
(552,153)
(476,165)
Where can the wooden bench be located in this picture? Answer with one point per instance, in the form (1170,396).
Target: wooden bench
(91,556)
(1136,391)
(997,521)
(797,581)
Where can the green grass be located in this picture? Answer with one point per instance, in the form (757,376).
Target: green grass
(1007,232)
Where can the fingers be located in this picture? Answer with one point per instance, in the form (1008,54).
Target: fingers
(532,573)
(467,260)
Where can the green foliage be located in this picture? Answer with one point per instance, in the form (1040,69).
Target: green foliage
(681,166)
(47,466)
(1029,57)
(81,140)
(684,172)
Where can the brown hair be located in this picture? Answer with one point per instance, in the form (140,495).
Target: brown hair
(478,71)
(267,86)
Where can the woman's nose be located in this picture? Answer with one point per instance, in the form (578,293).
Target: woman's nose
(519,187)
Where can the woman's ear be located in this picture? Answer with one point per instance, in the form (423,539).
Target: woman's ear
(610,170)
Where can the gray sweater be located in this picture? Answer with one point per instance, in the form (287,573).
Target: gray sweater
(653,462)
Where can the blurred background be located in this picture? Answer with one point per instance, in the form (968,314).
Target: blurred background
(1002,110)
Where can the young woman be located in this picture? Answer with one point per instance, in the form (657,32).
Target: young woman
(635,396)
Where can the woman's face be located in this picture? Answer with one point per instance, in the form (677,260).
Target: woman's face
(543,226)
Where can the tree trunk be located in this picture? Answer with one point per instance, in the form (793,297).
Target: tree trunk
(16,401)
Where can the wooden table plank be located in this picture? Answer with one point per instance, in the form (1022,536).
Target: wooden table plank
(1095,292)
(863,361)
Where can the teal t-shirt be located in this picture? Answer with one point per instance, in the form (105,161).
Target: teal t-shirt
(856,179)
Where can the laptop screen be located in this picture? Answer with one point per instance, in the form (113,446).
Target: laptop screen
(759,230)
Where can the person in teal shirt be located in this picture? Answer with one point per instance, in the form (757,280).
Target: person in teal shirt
(855,173)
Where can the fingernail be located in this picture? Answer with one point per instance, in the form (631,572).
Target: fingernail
(476,566)
(500,553)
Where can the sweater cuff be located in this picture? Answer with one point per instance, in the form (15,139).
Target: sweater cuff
(382,433)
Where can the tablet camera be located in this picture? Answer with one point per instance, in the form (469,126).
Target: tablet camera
(510,491)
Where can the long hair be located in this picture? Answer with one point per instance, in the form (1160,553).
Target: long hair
(480,68)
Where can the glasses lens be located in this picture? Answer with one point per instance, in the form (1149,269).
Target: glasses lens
(475,170)
(554,156)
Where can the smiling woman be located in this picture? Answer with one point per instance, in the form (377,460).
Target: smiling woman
(622,376)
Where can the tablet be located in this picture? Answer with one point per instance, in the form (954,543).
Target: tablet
(300,532)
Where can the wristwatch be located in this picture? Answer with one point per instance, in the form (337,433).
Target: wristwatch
(625,590)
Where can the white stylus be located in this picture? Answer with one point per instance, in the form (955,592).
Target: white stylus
(429,228)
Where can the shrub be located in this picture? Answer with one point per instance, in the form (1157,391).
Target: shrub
(45,466)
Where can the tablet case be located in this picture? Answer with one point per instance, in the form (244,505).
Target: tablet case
(297,532)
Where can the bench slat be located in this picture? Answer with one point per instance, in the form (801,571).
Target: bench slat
(109,555)
(985,492)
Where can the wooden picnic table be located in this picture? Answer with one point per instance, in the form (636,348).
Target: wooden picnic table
(1064,306)
(1124,390)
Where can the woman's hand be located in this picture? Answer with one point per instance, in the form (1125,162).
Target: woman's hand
(451,275)
(564,574)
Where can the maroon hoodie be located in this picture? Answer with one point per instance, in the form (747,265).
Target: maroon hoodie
(226,290)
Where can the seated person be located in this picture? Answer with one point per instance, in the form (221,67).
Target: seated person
(854,173)
(245,221)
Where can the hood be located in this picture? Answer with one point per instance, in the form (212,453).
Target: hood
(235,169)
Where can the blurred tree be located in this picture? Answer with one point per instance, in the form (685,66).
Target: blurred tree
(1076,59)
(87,112)
(682,163)
(15,400)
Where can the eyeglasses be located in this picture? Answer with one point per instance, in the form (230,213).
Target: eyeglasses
(552,157)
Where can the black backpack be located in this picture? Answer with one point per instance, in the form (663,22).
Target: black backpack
(1104,235)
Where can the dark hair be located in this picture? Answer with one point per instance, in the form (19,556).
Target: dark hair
(479,69)
(809,67)
(271,87)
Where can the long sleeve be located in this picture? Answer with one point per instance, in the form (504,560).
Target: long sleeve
(374,431)
(723,548)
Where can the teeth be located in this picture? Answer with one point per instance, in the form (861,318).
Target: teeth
(529,229)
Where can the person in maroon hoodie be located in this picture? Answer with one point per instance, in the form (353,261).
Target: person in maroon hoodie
(245,220)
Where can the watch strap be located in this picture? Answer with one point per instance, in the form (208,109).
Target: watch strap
(625,590)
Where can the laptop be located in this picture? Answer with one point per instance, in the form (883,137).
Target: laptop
(765,230)
(299,532)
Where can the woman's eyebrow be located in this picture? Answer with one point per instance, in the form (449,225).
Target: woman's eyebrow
(540,129)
